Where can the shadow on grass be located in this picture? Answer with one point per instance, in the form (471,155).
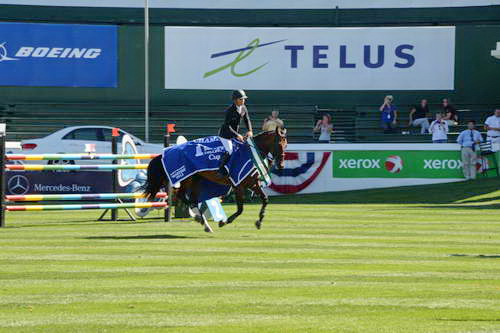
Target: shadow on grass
(138,237)
(462,207)
(482,256)
(446,193)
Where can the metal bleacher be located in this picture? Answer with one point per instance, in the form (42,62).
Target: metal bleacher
(28,121)
(361,124)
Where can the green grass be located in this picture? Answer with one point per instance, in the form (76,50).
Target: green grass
(410,259)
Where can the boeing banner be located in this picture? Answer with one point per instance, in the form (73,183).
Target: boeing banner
(58,55)
(378,58)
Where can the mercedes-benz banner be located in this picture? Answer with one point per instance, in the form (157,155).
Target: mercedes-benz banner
(368,58)
(58,55)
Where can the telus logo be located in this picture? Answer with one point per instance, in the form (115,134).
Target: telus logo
(322,53)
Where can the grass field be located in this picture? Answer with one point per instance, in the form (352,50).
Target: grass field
(414,259)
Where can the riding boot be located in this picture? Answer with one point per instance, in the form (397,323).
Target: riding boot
(223,161)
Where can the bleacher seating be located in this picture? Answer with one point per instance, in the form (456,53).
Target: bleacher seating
(361,124)
(193,121)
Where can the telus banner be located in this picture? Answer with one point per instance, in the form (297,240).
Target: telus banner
(58,55)
(397,164)
(395,58)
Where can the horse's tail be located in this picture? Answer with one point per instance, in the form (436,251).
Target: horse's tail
(156,178)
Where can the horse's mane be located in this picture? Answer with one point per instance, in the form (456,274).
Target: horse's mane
(265,133)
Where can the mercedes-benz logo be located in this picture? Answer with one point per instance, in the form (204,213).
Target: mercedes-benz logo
(3,53)
(18,185)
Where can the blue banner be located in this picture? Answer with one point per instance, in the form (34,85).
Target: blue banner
(58,55)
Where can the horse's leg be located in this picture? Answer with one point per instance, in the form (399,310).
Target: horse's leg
(265,200)
(195,192)
(239,193)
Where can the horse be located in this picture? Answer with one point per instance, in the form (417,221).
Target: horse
(272,142)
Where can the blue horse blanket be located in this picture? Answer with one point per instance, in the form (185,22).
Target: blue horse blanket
(182,161)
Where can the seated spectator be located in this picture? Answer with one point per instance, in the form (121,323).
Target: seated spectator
(325,127)
(389,114)
(450,113)
(272,122)
(439,129)
(418,116)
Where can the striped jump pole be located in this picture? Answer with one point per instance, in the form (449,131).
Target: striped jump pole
(54,157)
(61,197)
(43,167)
(89,206)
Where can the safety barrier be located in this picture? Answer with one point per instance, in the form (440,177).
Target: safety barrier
(118,204)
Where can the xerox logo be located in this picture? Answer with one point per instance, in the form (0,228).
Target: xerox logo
(368,163)
(394,164)
(50,52)
(442,164)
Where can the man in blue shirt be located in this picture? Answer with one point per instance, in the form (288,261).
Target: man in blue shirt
(468,139)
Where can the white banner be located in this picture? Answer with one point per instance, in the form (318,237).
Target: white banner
(383,58)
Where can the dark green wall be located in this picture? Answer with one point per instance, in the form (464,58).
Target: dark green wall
(477,74)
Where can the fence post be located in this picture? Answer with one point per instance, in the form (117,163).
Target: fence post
(2,174)
(114,150)
(166,144)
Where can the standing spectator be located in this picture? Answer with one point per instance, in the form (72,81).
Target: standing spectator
(389,114)
(418,116)
(272,122)
(439,129)
(450,113)
(492,125)
(325,127)
(468,140)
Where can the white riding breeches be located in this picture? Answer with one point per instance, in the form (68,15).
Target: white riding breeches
(228,144)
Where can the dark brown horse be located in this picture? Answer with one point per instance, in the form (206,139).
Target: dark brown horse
(273,143)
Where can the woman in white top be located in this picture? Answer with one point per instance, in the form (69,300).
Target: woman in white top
(439,129)
(325,127)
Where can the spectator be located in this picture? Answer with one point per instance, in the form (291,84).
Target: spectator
(325,127)
(492,125)
(439,129)
(272,122)
(468,140)
(389,114)
(450,113)
(418,116)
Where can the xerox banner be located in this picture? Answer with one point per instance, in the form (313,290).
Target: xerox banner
(368,58)
(397,164)
(58,55)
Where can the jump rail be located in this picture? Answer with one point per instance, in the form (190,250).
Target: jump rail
(55,157)
(89,206)
(44,167)
(60,197)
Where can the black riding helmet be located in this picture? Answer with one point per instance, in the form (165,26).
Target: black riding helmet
(237,94)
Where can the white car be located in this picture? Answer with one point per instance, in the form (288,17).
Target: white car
(72,140)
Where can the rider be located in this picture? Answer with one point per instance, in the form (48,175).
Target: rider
(230,127)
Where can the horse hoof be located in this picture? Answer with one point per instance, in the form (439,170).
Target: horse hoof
(199,219)
(258,225)
(208,229)
(221,224)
